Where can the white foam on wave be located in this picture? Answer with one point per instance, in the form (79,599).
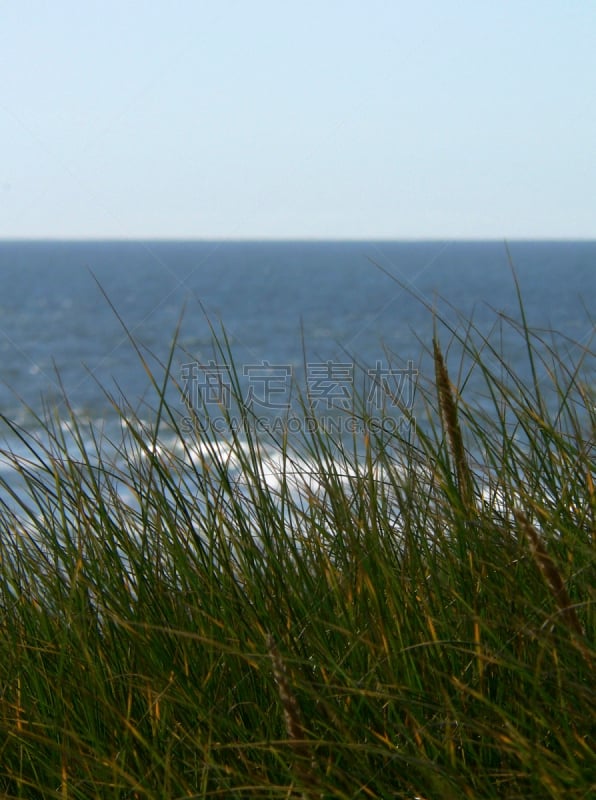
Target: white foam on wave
(287,477)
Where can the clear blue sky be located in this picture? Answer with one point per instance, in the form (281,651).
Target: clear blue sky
(273,119)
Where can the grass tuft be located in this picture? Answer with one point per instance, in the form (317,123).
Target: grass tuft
(406,613)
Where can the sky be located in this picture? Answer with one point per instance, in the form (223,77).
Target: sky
(297,120)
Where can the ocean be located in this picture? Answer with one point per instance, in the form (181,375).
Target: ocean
(291,311)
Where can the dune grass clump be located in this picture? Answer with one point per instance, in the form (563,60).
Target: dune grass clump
(402,615)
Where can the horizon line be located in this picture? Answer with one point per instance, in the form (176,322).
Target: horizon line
(291,239)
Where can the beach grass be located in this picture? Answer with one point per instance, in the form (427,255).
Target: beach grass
(188,617)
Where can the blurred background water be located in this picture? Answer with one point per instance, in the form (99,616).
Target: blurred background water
(364,302)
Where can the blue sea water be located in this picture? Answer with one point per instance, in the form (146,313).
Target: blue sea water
(365,302)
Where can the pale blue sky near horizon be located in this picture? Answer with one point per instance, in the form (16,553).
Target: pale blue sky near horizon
(310,120)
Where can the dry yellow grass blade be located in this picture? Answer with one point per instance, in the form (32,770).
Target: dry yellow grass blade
(551,574)
(448,408)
